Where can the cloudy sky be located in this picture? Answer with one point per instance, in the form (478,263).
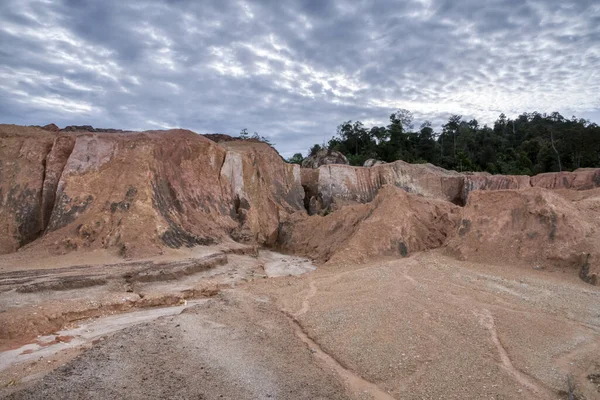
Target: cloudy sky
(293,70)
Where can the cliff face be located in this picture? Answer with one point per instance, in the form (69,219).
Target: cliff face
(536,226)
(337,185)
(139,192)
(333,186)
(23,153)
(493,182)
(580,179)
(264,189)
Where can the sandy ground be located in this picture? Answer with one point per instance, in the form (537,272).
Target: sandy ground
(236,347)
(422,327)
(429,327)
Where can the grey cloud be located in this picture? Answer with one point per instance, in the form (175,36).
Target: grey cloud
(293,71)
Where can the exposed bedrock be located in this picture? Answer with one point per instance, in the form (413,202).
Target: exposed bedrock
(137,193)
(534,226)
(23,152)
(332,186)
(580,179)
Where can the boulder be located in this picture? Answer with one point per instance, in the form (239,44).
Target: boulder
(324,157)
(371,162)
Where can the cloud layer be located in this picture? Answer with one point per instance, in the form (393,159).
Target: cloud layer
(293,71)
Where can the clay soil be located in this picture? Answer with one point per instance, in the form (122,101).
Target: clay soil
(422,327)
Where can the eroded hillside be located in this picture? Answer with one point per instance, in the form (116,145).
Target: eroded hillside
(133,260)
(137,193)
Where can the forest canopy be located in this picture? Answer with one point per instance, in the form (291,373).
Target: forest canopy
(530,144)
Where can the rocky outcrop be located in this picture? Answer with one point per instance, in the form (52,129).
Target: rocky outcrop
(263,187)
(580,179)
(533,226)
(324,157)
(55,164)
(137,193)
(338,185)
(334,186)
(23,152)
(493,182)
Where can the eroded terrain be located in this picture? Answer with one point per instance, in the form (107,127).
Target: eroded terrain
(167,264)
(426,326)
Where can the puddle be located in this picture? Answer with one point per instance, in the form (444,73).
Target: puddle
(86,333)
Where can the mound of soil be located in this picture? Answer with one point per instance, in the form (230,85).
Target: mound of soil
(396,223)
(533,226)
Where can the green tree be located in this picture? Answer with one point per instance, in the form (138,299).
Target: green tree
(531,143)
(295,159)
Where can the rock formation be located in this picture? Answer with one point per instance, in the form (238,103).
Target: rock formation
(337,185)
(324,157)
(23,153)
(532,226)
(580,179)
(333,186)
(137,193)
(481,181)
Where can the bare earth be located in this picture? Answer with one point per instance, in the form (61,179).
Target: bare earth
(135,265)
(422,327)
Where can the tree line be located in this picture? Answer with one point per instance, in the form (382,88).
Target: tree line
(530,144)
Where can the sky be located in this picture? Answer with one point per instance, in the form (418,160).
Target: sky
(294,70)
